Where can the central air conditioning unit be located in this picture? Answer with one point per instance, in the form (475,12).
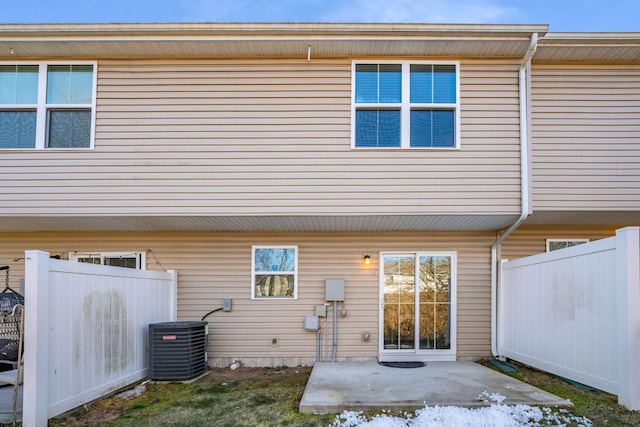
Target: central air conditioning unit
(177,350)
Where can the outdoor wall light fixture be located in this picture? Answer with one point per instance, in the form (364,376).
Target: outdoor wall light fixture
(366,260)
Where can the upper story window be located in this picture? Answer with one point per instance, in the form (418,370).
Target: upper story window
(405,105)
(274,272)
(47,105)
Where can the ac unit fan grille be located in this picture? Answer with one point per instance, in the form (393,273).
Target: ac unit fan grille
(177,350)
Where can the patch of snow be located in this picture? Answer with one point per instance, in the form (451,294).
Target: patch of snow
(452,416)
(493,397)
(134,392)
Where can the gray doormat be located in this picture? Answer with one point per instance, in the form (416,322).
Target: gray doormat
(403,364)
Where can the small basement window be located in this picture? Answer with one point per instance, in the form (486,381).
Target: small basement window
(274,272)
(135,260)
(555,244)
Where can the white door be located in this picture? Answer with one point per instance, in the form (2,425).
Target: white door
(418,312)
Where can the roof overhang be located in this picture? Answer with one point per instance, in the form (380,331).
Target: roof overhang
(360,223)
(343,223)
(584,218)
(588,47)
(254,40)
(297,40)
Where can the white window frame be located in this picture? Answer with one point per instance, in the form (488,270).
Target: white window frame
(425,355)
(42,108)
(255,272)
(141,257)
(549,241)
(405,105)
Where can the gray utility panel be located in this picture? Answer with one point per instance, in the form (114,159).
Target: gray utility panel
(334,289)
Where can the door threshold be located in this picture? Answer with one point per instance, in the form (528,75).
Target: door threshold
(417,358)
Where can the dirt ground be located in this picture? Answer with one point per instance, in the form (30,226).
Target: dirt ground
(221,375)
(111,407)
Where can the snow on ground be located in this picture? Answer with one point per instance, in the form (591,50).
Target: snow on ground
(452,416)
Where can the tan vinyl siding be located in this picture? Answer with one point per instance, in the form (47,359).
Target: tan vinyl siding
(586,137)
(265,137)
(530,240)
(214,266)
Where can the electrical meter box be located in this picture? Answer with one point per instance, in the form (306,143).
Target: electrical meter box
(334,289)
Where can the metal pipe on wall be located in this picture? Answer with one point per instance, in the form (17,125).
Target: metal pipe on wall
(335,331)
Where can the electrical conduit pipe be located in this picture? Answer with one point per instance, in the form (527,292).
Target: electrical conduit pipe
(335,331)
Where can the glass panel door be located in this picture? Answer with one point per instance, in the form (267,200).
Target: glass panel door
(417,308)
(399,302)
(434,302)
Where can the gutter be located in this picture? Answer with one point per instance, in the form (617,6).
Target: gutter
(296,30)
(524,90)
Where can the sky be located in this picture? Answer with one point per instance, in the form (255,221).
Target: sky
(561,15)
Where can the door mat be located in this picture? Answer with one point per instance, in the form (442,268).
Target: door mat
(403,364)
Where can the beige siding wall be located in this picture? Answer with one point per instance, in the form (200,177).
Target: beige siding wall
(527,241)
(265,137)
(586,137)
(214,266)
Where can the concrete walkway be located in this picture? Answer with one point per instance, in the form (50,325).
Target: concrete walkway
(6,404)
(365,386)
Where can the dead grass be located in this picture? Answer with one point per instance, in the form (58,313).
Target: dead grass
(244,397)
(600,407)
(270,397)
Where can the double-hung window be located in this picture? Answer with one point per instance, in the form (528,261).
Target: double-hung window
(47,105)
(274,272)
(405,105)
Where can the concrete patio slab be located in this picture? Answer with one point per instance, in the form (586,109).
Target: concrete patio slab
(367,386)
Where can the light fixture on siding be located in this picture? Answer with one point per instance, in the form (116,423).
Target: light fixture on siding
(11,51)
(366,260)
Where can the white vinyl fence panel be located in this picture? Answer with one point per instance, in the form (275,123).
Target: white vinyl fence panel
(575,312)
(86,330)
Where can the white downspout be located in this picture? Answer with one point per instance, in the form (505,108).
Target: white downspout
(524,88)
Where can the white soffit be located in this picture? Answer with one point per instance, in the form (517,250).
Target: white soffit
(279,40)
(589,47)
(263,40)
(260,224)
(613,218)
